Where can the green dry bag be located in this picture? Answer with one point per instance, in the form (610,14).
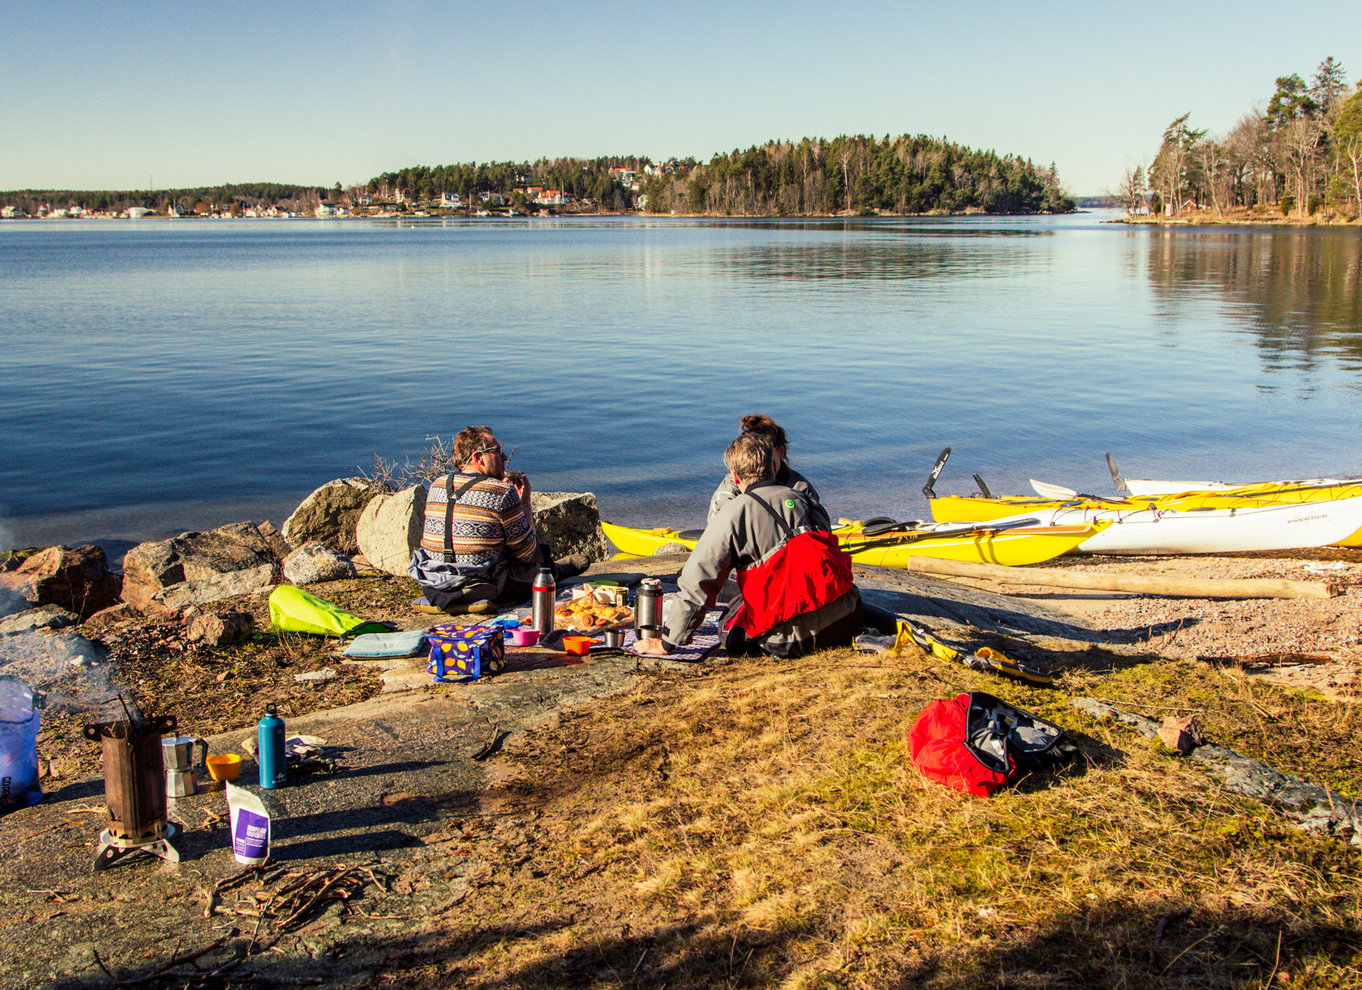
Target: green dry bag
(294,610)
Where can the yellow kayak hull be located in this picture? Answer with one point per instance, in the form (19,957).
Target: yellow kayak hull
(1012,547)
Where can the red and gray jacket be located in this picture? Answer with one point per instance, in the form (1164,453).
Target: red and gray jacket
(794,577)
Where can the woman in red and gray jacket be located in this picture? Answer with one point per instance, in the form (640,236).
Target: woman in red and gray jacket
(795,581)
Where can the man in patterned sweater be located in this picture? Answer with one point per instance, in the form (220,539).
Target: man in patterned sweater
(483,546)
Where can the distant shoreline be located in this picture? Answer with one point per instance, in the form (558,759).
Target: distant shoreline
(1240,218)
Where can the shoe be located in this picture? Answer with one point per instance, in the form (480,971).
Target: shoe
(573,565)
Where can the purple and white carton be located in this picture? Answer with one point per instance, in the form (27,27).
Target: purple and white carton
(250,826)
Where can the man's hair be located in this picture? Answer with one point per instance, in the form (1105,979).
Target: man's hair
(750,458)
(764,426)
(468,441)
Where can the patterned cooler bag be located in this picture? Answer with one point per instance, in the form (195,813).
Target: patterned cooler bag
(464,653)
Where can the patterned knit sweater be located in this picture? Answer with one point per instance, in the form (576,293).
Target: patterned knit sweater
(488,526)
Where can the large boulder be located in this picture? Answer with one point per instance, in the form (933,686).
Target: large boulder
(330,514)
(569,523)
(316,562)
(75,578)
(390,528)
(196,568)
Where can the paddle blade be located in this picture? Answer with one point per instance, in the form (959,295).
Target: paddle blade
(928,490)
(1116,478)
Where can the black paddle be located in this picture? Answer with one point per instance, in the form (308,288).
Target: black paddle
(927,490)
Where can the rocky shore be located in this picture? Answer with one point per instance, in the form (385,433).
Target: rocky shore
(739,821)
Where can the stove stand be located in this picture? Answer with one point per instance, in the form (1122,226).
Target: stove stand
(114,848)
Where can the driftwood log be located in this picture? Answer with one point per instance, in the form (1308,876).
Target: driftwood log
(1164,586)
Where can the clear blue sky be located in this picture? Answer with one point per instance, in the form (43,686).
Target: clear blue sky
(186,93)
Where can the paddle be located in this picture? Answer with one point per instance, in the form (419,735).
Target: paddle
(928,491)
(1061,494)
(962,530)
(1116,478)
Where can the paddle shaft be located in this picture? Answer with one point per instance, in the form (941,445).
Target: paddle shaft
(1163,586)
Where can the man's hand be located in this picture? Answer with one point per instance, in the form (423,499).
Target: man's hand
(653,646)
(521,485)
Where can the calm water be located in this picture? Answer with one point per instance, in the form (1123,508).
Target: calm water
(160,376)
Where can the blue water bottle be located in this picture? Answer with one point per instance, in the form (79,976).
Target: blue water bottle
(270,749)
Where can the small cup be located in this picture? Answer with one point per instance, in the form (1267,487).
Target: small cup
(524,636)
(223,766)
(614,637)
(577,645)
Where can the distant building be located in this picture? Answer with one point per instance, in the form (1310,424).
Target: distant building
(9,212)
(451,201)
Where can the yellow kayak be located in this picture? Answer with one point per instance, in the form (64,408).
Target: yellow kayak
(1011,544)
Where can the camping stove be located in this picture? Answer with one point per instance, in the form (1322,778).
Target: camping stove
(134,789)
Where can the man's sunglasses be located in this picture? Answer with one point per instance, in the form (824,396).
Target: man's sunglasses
(498,449)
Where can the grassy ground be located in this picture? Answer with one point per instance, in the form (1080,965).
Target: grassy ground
(761,825)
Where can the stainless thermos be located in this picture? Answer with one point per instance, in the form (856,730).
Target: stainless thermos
(648,609)
(541,601)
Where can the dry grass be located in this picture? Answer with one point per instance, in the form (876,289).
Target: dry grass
(760,825)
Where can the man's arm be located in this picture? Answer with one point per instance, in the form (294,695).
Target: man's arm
(702,578)
(517,524)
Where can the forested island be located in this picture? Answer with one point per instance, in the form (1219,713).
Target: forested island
(1298,157)
(847,175)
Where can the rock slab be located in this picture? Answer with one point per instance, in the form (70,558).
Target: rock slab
(196,568)
(74,578)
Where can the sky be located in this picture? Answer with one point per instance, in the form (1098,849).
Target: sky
(141,94)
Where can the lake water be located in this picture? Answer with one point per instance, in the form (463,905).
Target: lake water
(167,375)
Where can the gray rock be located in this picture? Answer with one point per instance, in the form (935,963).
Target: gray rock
(569,523)
(316,562)
(390,528)
(75,578)
(42,617)
(316,676)
(330,514)
(196,568)
(220,628)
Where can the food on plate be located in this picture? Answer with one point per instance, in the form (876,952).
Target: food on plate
(588,613)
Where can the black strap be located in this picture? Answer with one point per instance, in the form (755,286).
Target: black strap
(450,499)
(780,520)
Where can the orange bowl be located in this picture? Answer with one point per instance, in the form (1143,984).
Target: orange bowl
(223,766)
(578,645)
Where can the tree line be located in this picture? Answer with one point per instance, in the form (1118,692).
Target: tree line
(581,178)
(849,174)
(862,175)
(225,198)
(1300,153)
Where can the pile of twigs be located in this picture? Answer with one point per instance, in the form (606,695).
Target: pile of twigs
(301,895)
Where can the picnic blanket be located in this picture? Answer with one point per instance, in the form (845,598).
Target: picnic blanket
(705,639)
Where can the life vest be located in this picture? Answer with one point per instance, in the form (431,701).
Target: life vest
(807,571)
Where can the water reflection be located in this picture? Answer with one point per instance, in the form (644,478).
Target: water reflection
(1297,292)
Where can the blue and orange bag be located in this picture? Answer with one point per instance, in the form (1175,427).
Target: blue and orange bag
(464,653)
